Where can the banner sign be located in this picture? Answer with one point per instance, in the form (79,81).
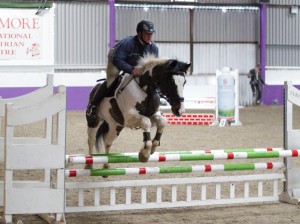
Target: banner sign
(26,38)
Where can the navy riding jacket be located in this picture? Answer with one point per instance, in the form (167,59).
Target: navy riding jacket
(254,80)
(130,50)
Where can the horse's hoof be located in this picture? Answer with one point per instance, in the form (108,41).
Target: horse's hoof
(88,167)
(152,151)
(142,158)
(106,166)
(155,143)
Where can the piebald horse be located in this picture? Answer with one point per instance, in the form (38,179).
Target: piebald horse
(134,103)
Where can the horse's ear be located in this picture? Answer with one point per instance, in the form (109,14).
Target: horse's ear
(171,64)
(186,66)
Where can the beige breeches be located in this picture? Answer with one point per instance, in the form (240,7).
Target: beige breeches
(111,72)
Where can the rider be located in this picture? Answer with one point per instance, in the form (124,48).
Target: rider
(124,57)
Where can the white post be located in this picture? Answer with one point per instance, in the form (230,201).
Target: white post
(236,122)
(291,187)
(38,197)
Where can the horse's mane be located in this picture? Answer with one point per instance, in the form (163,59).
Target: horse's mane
(148,62)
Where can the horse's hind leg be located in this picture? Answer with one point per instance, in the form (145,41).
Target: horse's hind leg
(161,122)
(91,142)
(145,152)
(109,138)
(92,132)
(91,139)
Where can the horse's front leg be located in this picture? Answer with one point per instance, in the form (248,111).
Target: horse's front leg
(161,122)
(145,151)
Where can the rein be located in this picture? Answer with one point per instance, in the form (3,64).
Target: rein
(133,78)
(163,80)
(121,89)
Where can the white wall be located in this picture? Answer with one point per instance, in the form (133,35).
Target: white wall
(277,75)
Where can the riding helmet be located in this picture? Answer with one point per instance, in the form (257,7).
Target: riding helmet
(146,26)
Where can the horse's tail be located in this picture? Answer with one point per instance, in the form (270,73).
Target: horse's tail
(101,133)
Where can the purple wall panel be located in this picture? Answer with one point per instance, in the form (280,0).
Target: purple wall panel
(272,93)
(77,97)
(14,92)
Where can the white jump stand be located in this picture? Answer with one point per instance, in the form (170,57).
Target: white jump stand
(291,187)
(236,122)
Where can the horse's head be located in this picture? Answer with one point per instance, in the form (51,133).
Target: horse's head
(172,80)
(169,76)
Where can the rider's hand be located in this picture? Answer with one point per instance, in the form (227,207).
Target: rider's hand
(136,72)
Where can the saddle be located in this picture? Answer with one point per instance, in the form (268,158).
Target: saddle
(114,86)
(115,112)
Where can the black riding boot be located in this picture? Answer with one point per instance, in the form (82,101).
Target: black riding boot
(91,111)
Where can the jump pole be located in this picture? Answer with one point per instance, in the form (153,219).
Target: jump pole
(173,169)
(203,151)
(100,159)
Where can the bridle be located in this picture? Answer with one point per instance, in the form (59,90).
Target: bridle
(165,82)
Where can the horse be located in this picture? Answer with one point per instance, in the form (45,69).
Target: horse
(134,103)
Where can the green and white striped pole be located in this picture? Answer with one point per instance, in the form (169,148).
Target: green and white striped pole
(159,157)
(173,169)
